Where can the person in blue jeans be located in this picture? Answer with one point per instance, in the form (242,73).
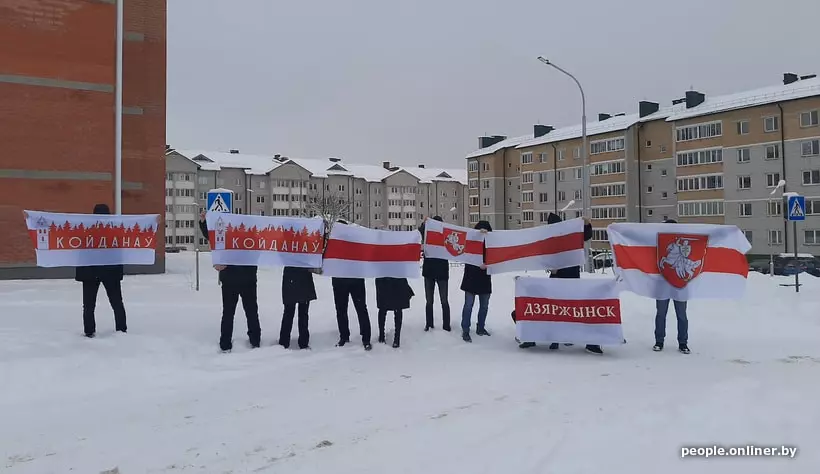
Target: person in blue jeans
(476,282)
(660,320)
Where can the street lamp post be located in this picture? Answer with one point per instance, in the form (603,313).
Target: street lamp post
(584,156)
(780,184)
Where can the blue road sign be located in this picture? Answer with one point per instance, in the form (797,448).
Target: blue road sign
(220,200)
(797,208)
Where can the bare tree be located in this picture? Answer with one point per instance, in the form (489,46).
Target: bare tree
(330,206)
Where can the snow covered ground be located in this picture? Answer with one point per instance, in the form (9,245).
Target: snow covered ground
(163,399)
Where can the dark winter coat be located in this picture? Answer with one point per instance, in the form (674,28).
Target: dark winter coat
(232,274)
(569,272)
(393,293)
(476,280)
(436,268)
(100,272)
(297,285)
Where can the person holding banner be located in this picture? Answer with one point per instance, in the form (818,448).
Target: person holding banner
(436,272)
(392,294)
(662,307)
(345,289)
(110,277)
(476,282)
(297,290)
(236,281)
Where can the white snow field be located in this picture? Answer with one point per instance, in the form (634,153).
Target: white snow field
(163,399)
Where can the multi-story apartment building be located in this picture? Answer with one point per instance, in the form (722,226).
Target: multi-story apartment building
(381,197)
(701,159)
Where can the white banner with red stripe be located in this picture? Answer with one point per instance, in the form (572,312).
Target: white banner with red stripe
(580,311)
(79,240)
(239,239)
(453,243)
(547,247)
(359,252)
(680,261)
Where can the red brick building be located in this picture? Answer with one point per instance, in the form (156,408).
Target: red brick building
(57,81)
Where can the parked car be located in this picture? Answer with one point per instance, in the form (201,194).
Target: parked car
(760,266)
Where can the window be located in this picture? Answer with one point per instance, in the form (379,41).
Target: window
(579,172)
(609,212)
(473,184)
(649,190)
(810,148)
(664,194)
(744,209)
(699,132)
(485,167)
(772,179)
(527,216)
(700,157)
(811,177)
(649,144)
(812,237)
(203,180)
(472,166)
(812,207)
(743,127)
(771,124)
(648,167)
(542,177)
(663,148)
(562,196)
(474,200)
(486,202)
(561,154)
(562,175)
(697,183)
(809,119)
(744,182)
(649,212)
(543,197)
(485,183)
(748,235)
(261,184)
(576,153)
(543,216)
(700,208)
(775,237)
(605,190)
(526,196)
(526,177)
(260,199)
(473,218)
(774,208)
(663,173)
(203,196)
(600,235)
(772,152)
(612,167)
(744,155)
(542,157)
(606,146)
(577,194)
(526,158)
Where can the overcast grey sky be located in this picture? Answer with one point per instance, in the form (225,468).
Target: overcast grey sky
(418,81)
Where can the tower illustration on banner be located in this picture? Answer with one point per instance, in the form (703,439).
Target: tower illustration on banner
(42,234)
(219,234)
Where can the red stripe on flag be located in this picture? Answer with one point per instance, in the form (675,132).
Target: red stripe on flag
(475,247)
(345,250)
(591,311)
(645,259)
(549,246)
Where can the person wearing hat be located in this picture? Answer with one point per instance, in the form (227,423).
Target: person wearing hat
(476,283)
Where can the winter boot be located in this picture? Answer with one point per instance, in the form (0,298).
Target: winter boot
(397,334)
(526,345)
(554,346)
(465,335)
(594,349)
(482,332)
(368,346)
(657,347)
(342,342)
(683,348)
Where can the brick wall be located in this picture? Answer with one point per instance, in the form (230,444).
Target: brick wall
(57,113)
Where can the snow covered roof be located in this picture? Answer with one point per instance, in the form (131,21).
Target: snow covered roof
(508,143)
(428,175)
(613,124)
(741,100)
(217,160)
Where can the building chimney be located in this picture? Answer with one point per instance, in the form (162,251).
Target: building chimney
(678,101)
(386,165)
(334,159)
(421,165)
(622,114)
(694,99)
(234,152)
(541,130)
(602,117)
(790,78)
(810,76)
(277,156)
(647,108)
(484,142)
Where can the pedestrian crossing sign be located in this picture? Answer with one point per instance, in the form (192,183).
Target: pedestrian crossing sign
(797,208)
(220,201)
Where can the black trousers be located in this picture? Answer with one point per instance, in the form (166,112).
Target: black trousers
(231,292)
(397,319)
(287,324)
(429,295)
(113,288)
(343,291)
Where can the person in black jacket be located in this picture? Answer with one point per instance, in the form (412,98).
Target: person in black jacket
(476,282)
(236,281)
(110,276)
(436,272)
(345,289)
(392,294)
(297,290)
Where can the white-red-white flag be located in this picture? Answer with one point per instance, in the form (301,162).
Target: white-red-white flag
(241,239)
(547,247)
(680,261)
(453,243)
(79,240)
(359,252)
(580,311)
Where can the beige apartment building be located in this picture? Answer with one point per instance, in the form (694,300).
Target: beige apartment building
(380,197)
(700,159)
